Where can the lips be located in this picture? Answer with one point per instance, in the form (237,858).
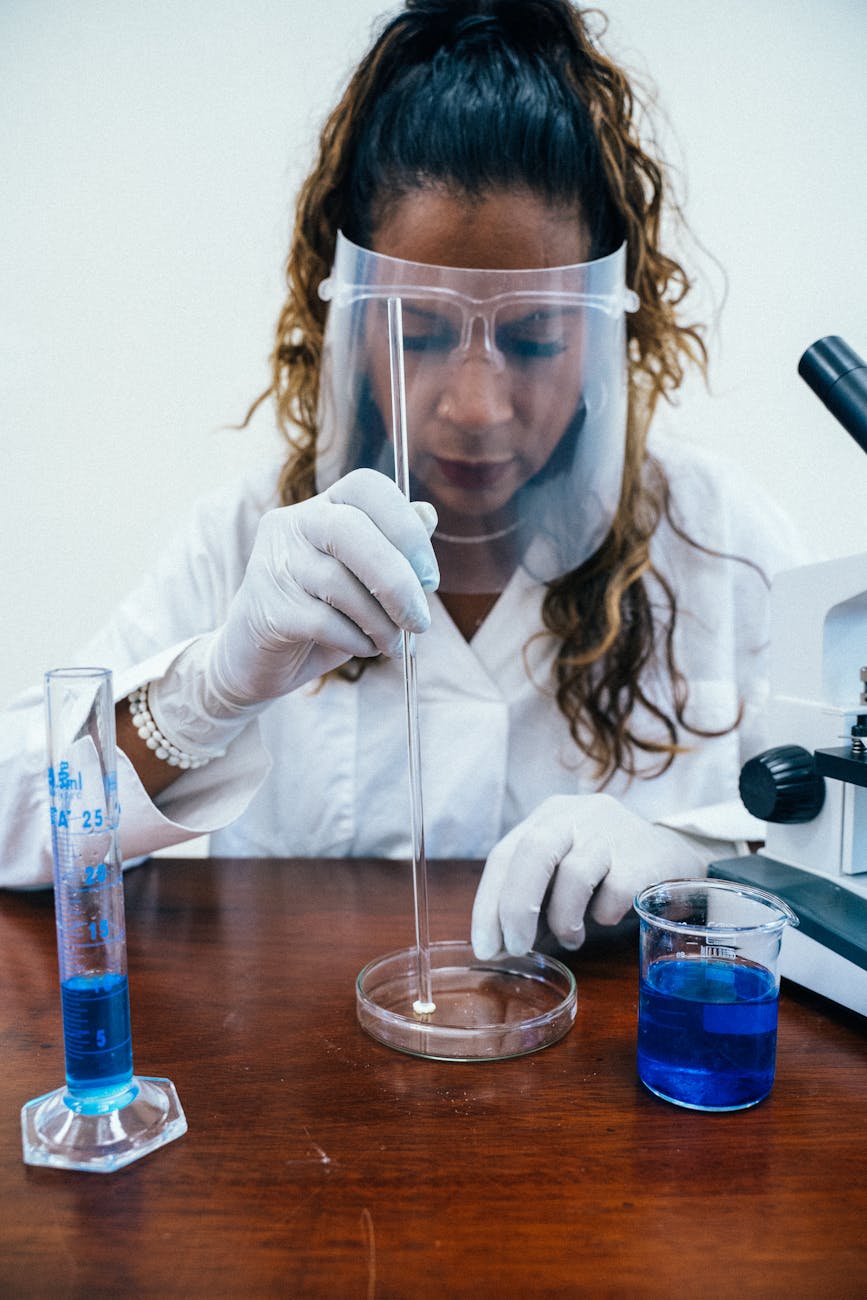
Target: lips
(473,474)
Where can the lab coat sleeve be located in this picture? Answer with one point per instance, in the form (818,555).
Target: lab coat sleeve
(200,801)
(185,594)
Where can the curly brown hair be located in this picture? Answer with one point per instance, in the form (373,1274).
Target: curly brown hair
(381,140)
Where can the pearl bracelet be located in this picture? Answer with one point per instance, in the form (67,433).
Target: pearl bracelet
(153,737)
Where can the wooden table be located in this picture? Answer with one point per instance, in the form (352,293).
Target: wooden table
(320,1163)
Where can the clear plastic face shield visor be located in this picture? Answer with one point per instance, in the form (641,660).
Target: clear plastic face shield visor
(499,396)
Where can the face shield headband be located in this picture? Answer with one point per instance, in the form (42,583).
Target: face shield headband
(499,396)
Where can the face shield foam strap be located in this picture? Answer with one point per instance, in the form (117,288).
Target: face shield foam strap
(513,388)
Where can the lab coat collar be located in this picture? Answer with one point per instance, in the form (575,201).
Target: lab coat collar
(495,663)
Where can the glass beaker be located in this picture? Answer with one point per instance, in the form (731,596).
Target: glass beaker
(709,989)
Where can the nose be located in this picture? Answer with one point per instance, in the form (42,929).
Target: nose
(476,395)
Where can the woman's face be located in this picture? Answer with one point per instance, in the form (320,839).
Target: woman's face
(487,407)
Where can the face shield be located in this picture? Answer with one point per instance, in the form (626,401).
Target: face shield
(499,396)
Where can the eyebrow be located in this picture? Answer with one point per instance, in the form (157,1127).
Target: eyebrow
(410,310)
(540,313)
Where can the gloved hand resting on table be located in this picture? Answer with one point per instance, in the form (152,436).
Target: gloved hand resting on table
(598,855)
(339,575)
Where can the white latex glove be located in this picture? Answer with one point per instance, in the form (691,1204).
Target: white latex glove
(339,575)
(597,852)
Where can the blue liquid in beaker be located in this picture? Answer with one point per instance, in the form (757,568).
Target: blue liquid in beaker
(96,1032)
(707,1032)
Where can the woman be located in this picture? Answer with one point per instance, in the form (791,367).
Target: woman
(592,666)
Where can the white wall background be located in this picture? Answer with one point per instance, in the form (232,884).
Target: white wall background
(149,153)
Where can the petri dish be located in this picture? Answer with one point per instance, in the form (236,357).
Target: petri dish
(484,1010)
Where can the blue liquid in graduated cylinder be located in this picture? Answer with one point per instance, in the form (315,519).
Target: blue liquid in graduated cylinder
(96,1032)
(707,1032)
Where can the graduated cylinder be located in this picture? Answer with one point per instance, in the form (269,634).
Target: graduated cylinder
(105,1116)
(89,908)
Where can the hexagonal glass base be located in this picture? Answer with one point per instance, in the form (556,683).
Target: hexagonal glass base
(101,1134)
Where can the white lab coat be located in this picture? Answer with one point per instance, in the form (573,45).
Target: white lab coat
(324,773)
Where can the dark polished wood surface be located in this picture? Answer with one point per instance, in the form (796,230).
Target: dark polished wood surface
(321,1163)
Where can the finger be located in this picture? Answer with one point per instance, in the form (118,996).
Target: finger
(614,897)
(304,594)
(348,536)
(429,518)
(338,610)
(578,875)
(408,528)
(354,538)
(486,932)
(541,848)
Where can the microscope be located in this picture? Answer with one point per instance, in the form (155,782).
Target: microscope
(810,787)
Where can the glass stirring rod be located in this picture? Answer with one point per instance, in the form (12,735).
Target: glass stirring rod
(424,1004)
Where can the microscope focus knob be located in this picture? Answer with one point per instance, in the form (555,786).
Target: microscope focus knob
(782,785)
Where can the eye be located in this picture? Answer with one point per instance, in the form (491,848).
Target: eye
(531,349)
(536,337)
(427,331)
(442,341)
